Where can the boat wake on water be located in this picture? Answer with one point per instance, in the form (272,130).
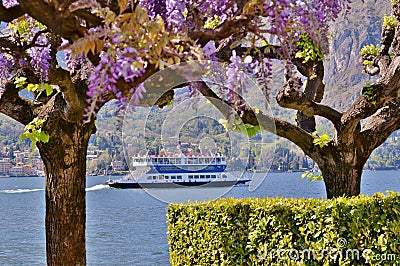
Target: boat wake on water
(18,191)
(26,190)
(97,187)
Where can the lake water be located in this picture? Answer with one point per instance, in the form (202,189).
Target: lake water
(128,227)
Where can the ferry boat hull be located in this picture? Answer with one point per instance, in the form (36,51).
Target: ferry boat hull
(200,184)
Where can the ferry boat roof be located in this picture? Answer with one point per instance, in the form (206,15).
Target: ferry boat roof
(179,159)
(180,155)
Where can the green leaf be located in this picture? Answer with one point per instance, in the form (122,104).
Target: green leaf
(251,131)
(47,88)
(43,137)
(40,88)
(370,50)
(311,177)
(20,82)
(389,22)
(308,50)
(322,140)
(224,122)
(256,110)
(324,137)
(212,23)
(32,87)
(34,132)
(22,27)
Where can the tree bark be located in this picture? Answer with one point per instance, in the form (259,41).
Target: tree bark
(342,171)
(341,181)
(64,158)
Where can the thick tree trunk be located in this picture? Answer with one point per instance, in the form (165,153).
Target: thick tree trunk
(342,173)
(342,182)
(64,158)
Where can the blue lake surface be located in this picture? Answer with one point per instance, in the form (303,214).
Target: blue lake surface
(128,227)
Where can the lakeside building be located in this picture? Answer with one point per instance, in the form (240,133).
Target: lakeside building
(118,166)
(5,165)
(16,171)
(22,156)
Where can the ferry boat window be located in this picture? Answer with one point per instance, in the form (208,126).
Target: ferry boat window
(173,177)
(202,176)
(207,176)
(160,177)
(218,160)
(166,177)
(196,160)
(190,177)
(196,176)
(149,177)
(224,176)
(179,177)
(190,161)
(213,176)
(202,160)
(154,177)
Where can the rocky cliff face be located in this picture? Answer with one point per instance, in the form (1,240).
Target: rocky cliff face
(363,26)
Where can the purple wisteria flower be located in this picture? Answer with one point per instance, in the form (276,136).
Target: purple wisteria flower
(40,60)
(10,3)
(209,50)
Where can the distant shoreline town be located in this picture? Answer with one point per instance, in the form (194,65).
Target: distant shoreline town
(111,162)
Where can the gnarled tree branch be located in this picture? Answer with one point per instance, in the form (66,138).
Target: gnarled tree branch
(291,98)
(379,126)
(226,29)
(272,124)
(14,106)
(67,27)
(74,103)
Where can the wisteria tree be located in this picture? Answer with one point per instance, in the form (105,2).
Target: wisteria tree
(112,47)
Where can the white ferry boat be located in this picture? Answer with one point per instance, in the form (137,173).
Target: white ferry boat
(174,171)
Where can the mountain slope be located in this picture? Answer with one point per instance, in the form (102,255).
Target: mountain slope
(363,26)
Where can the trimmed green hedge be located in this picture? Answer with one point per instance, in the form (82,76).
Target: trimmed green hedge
(342,231)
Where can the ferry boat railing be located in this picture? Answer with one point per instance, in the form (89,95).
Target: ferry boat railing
(175,160)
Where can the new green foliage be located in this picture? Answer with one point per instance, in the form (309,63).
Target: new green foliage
(369,93)
(34,132)
(240,127)
(20,82)
(370,50)
(389,22)
(311,177)
(307,50)
(320,141)
(278,231)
